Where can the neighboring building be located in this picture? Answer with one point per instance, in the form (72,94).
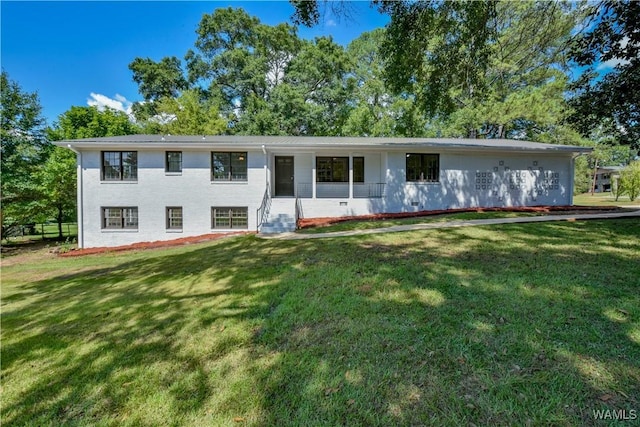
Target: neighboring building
(605,175)
(148,187)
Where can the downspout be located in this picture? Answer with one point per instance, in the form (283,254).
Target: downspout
(80,198)
(266,165)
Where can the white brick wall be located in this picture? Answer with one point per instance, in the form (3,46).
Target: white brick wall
(466,180)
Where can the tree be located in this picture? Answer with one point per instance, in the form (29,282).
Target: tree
(491,69)
(56,177)
(629,180)
(57,184)
(189,115)
(89,122)
(24,149)
(377,112)
(611,101)
(156,80)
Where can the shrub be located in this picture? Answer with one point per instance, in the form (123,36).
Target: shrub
(629,182)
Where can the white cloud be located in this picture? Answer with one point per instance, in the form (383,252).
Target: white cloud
(614,62)
(120,103)
(331,23)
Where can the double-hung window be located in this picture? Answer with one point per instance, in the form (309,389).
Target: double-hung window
(229,166)
(423,167)
(117,218)
(173,162)
(174,218)
(119,165)
(229,218)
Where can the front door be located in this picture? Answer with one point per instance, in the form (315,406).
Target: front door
(284,176)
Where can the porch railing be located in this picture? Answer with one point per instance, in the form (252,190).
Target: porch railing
(265,207)
(373,190)
(340,190)
(304,190)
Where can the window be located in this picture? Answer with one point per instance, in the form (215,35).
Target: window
(120,218)
(173,161)
(358,169)
(119,165)
(423,167)
(332,169)
(229,166)
(229,218)
(174,218)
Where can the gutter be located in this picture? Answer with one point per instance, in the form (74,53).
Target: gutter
(80,198)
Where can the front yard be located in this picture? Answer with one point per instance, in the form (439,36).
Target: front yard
(522,324)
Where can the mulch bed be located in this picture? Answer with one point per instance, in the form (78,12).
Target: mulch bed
(151,245)
(323,222)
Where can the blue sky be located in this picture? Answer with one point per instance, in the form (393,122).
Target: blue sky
(76,53)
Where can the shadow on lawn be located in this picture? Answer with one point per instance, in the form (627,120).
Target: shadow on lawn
(446,327)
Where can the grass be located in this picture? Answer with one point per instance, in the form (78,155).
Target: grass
(379,223)
(47,231)
(603,199)
(520,324)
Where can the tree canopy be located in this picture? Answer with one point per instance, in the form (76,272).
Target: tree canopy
(612,101)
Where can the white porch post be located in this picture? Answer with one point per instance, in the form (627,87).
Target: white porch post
(350,176)
(313,175)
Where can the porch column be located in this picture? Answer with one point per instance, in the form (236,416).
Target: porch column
(350,176)
(313,175)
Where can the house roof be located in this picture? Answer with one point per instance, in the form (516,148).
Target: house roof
(313,142)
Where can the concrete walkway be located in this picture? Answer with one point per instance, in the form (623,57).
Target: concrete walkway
(452,224)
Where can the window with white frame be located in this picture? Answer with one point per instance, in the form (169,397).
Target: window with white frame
(229,217)
(117,218)
(174,218)
(119,165)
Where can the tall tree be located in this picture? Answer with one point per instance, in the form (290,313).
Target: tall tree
(24,149)
(377,111)
(188,114)
(495,69)
(611,101)
(90,122)
(56,177)
(158,79)
(57,184)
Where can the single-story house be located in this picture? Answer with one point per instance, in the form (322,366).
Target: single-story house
(151,187)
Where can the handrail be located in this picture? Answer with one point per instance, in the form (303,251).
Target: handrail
(263,211)
(298,211)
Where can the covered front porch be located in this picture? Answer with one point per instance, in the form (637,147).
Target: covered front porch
(334,176)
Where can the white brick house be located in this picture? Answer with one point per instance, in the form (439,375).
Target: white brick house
(149,187)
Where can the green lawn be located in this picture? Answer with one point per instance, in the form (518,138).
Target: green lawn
(359,224)
(521,324)
(602,199)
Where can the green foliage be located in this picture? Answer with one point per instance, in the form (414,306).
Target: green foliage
(24,149)
(156,80)
(57,181)
(612,101)
(89,122)
(378,112)
(629,181)
(189,115)
(583,175)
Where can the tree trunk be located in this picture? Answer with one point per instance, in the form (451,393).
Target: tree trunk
(60,236)
(595,175)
